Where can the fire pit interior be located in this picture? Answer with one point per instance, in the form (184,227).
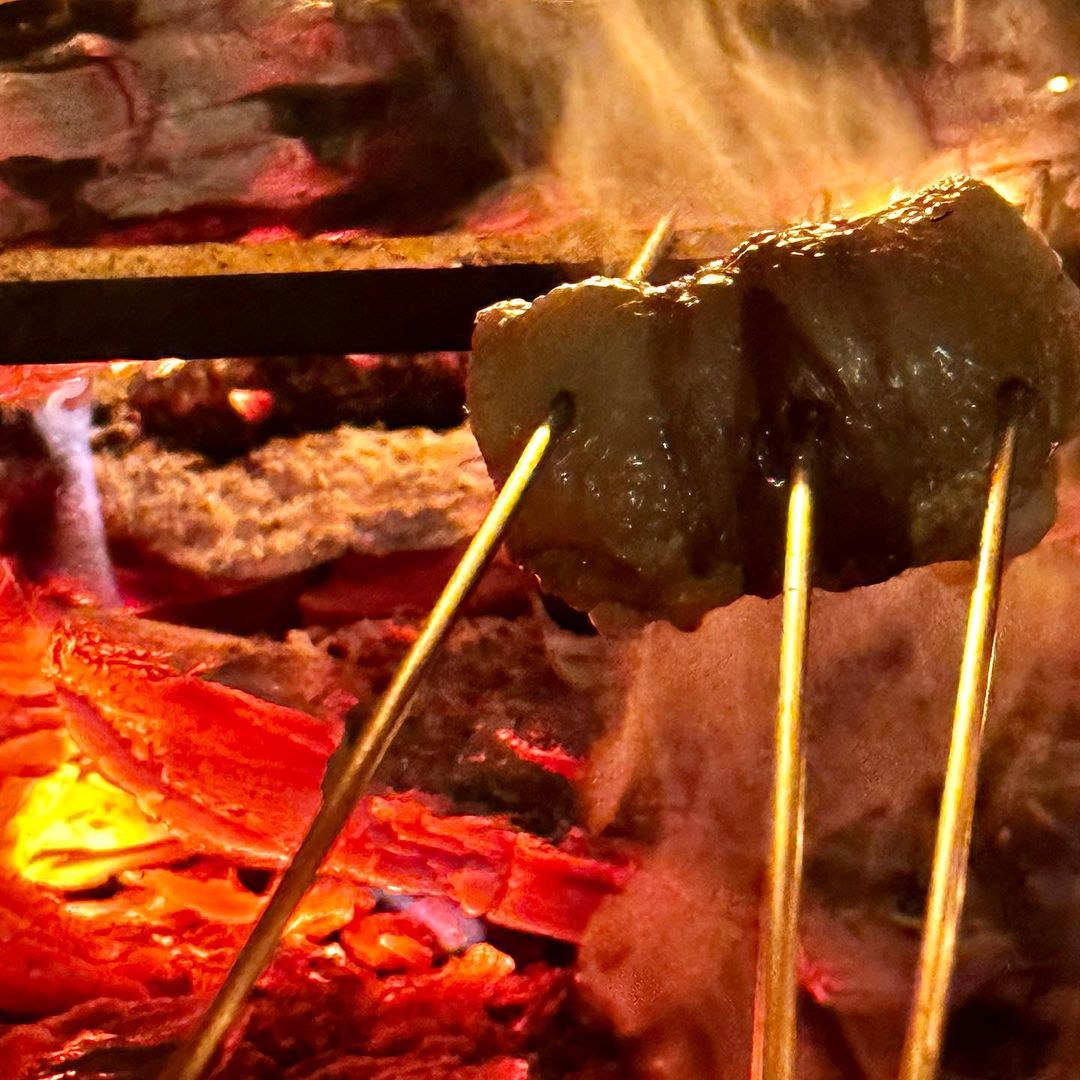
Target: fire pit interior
(244,243)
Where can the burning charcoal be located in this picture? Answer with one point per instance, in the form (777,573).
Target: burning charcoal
(47,965)
(407,584)
(292,504)
(196,406)
(167,917)
(225,795)
(62,949)
(496,681)
(476,1018)
(667,494)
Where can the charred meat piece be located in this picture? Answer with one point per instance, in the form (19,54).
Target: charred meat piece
(897,333)
(904,328)
(632,506)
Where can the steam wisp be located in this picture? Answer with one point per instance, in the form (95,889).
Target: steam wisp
(646,103)
(64,422)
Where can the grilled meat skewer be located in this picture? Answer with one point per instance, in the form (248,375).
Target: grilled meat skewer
(895,335)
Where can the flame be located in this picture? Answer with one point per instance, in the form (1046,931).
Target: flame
(74,830)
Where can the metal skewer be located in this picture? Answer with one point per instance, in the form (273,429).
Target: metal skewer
(922,1047)
(652,251)
(355,762)
(778,943)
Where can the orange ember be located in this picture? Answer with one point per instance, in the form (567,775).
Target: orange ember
(32,384)
(141,845)
(75,830)
(254,406)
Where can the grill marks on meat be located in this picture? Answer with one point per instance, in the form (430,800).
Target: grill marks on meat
(898,332)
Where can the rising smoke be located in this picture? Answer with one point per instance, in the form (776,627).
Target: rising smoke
(723,109)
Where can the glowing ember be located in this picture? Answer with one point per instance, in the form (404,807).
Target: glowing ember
(71,816)
(388,942)
(390,938)
(162,369)
(31,385)
(247,794)
(125,367)
(253,405)
(554,759)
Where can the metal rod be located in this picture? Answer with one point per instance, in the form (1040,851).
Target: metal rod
(330,296)
(383,310)
(358,760)
(355,762)
(922,1047)
(778,944)
(653,250)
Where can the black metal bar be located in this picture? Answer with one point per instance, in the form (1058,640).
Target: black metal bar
(347,311)
(304,296)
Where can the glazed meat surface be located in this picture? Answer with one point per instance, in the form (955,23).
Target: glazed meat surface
(898,334)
